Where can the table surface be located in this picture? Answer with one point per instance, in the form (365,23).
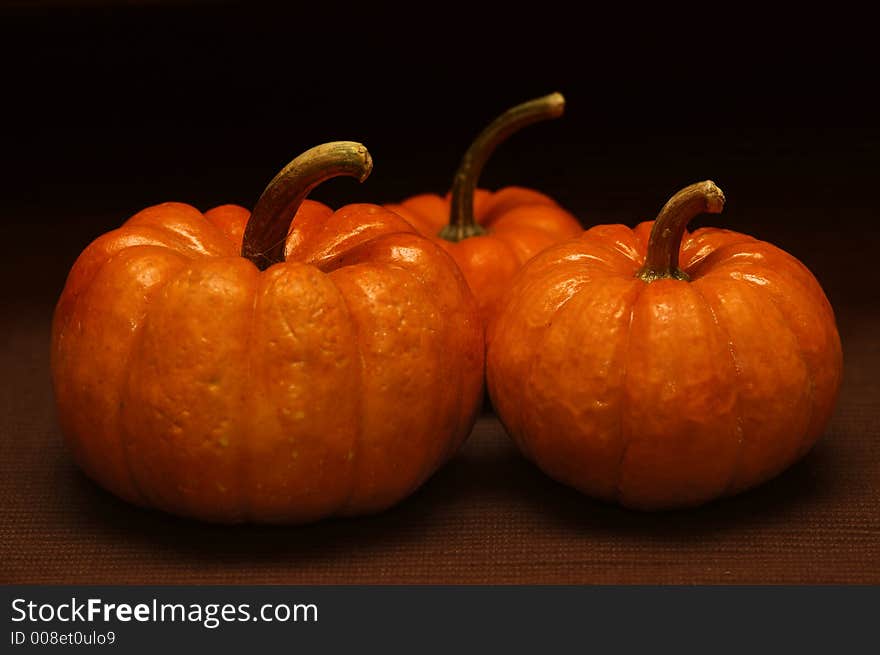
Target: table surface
(488,516)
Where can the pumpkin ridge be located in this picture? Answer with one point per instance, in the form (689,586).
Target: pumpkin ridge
(222,237)
(737,463)
(245,455)
(419,220)
(415,207)
(150,298)
(572,313)
(70,294)
(718,257)
(329,263)
(691,247)
(804,446)
(149,496)
(516,221)
(165,502)
(625,439)
(623,257)
(173,240)
(84,267)
(356,445)
(191,242)
(633,251)
(805,281)
(428,466)
(134,345)
(542,335)
(586,256)
(499,237)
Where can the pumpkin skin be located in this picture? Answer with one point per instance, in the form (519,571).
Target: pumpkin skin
(332,383)
(519,223)
(668,393)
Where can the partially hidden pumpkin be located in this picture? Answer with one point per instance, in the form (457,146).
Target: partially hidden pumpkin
(491,234)
(215,366)
(662,369)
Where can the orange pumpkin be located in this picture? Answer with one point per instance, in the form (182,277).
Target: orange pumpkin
(638,380)
(490,235)
(215,366)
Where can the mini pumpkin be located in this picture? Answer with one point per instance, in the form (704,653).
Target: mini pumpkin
(663,369)
(490,235)
(215,366)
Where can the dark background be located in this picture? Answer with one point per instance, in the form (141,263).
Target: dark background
(107,110)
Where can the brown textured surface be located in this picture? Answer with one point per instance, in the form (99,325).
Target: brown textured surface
(488,517)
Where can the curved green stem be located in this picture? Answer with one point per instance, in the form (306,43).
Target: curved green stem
(665,241)
(461,216)
(267,228)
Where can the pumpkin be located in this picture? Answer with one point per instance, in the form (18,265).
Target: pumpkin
(490,235)
(216,367)
(662,369)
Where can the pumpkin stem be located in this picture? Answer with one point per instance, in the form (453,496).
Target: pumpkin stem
(665,241)
(269,224)
(461,216)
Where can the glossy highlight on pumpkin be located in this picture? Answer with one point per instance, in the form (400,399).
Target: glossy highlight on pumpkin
(639,385)
(333,382)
